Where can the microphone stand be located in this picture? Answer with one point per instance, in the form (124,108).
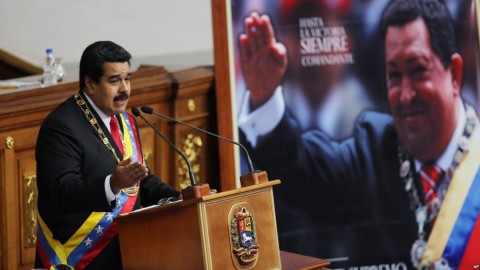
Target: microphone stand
(252,178)
(195,190)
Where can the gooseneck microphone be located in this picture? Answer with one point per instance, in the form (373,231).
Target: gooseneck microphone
(149,110)
(252,178)
(193,181)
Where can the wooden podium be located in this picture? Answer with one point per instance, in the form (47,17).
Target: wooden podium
(204,233)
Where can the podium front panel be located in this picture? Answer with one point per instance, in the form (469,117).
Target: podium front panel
(219,229)
(197,233)
(169,239)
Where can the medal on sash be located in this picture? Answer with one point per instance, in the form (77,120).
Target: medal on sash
(418,247)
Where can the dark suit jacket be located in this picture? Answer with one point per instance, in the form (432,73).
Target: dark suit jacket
(72,164)
(339,199)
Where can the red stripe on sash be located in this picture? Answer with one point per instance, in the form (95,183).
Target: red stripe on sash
(471,256)
(101,243)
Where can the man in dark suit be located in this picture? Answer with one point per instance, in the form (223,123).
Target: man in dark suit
(362,199)
(85,177)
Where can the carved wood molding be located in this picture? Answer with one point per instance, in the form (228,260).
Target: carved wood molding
(191,146)
(30,209)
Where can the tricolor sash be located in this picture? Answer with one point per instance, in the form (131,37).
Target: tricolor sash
(455,237)
(99,228)
(132,144)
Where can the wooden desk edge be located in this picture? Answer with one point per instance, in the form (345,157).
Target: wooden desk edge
(293,261)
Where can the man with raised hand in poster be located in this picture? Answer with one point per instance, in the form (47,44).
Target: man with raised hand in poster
(403,189)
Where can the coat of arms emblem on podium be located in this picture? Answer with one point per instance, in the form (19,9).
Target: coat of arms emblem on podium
(243,237)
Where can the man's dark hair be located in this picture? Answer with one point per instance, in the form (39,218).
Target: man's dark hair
(95,55)
(436,17)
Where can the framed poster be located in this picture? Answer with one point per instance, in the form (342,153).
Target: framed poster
(334,71)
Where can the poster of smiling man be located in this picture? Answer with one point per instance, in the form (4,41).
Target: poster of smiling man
(348,103)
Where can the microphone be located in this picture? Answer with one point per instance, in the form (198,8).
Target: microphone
(253,177)
(193,180)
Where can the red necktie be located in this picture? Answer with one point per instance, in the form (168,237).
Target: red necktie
(115,131)
(430,178)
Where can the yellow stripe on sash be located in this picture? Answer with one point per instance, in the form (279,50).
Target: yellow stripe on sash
(128,141)
(82,232)
(63,251)
(54,244)
(452,204)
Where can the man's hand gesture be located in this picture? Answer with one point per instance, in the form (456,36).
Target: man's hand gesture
(263,59)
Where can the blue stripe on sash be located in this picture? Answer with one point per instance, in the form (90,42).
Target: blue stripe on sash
(90,240)
(52,256)
(460,235)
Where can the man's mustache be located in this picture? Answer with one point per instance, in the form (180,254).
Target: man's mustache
(121,96)
(416,105)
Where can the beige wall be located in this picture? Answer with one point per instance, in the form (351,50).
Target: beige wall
(155,31)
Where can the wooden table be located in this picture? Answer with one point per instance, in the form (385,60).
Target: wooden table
(293,261)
